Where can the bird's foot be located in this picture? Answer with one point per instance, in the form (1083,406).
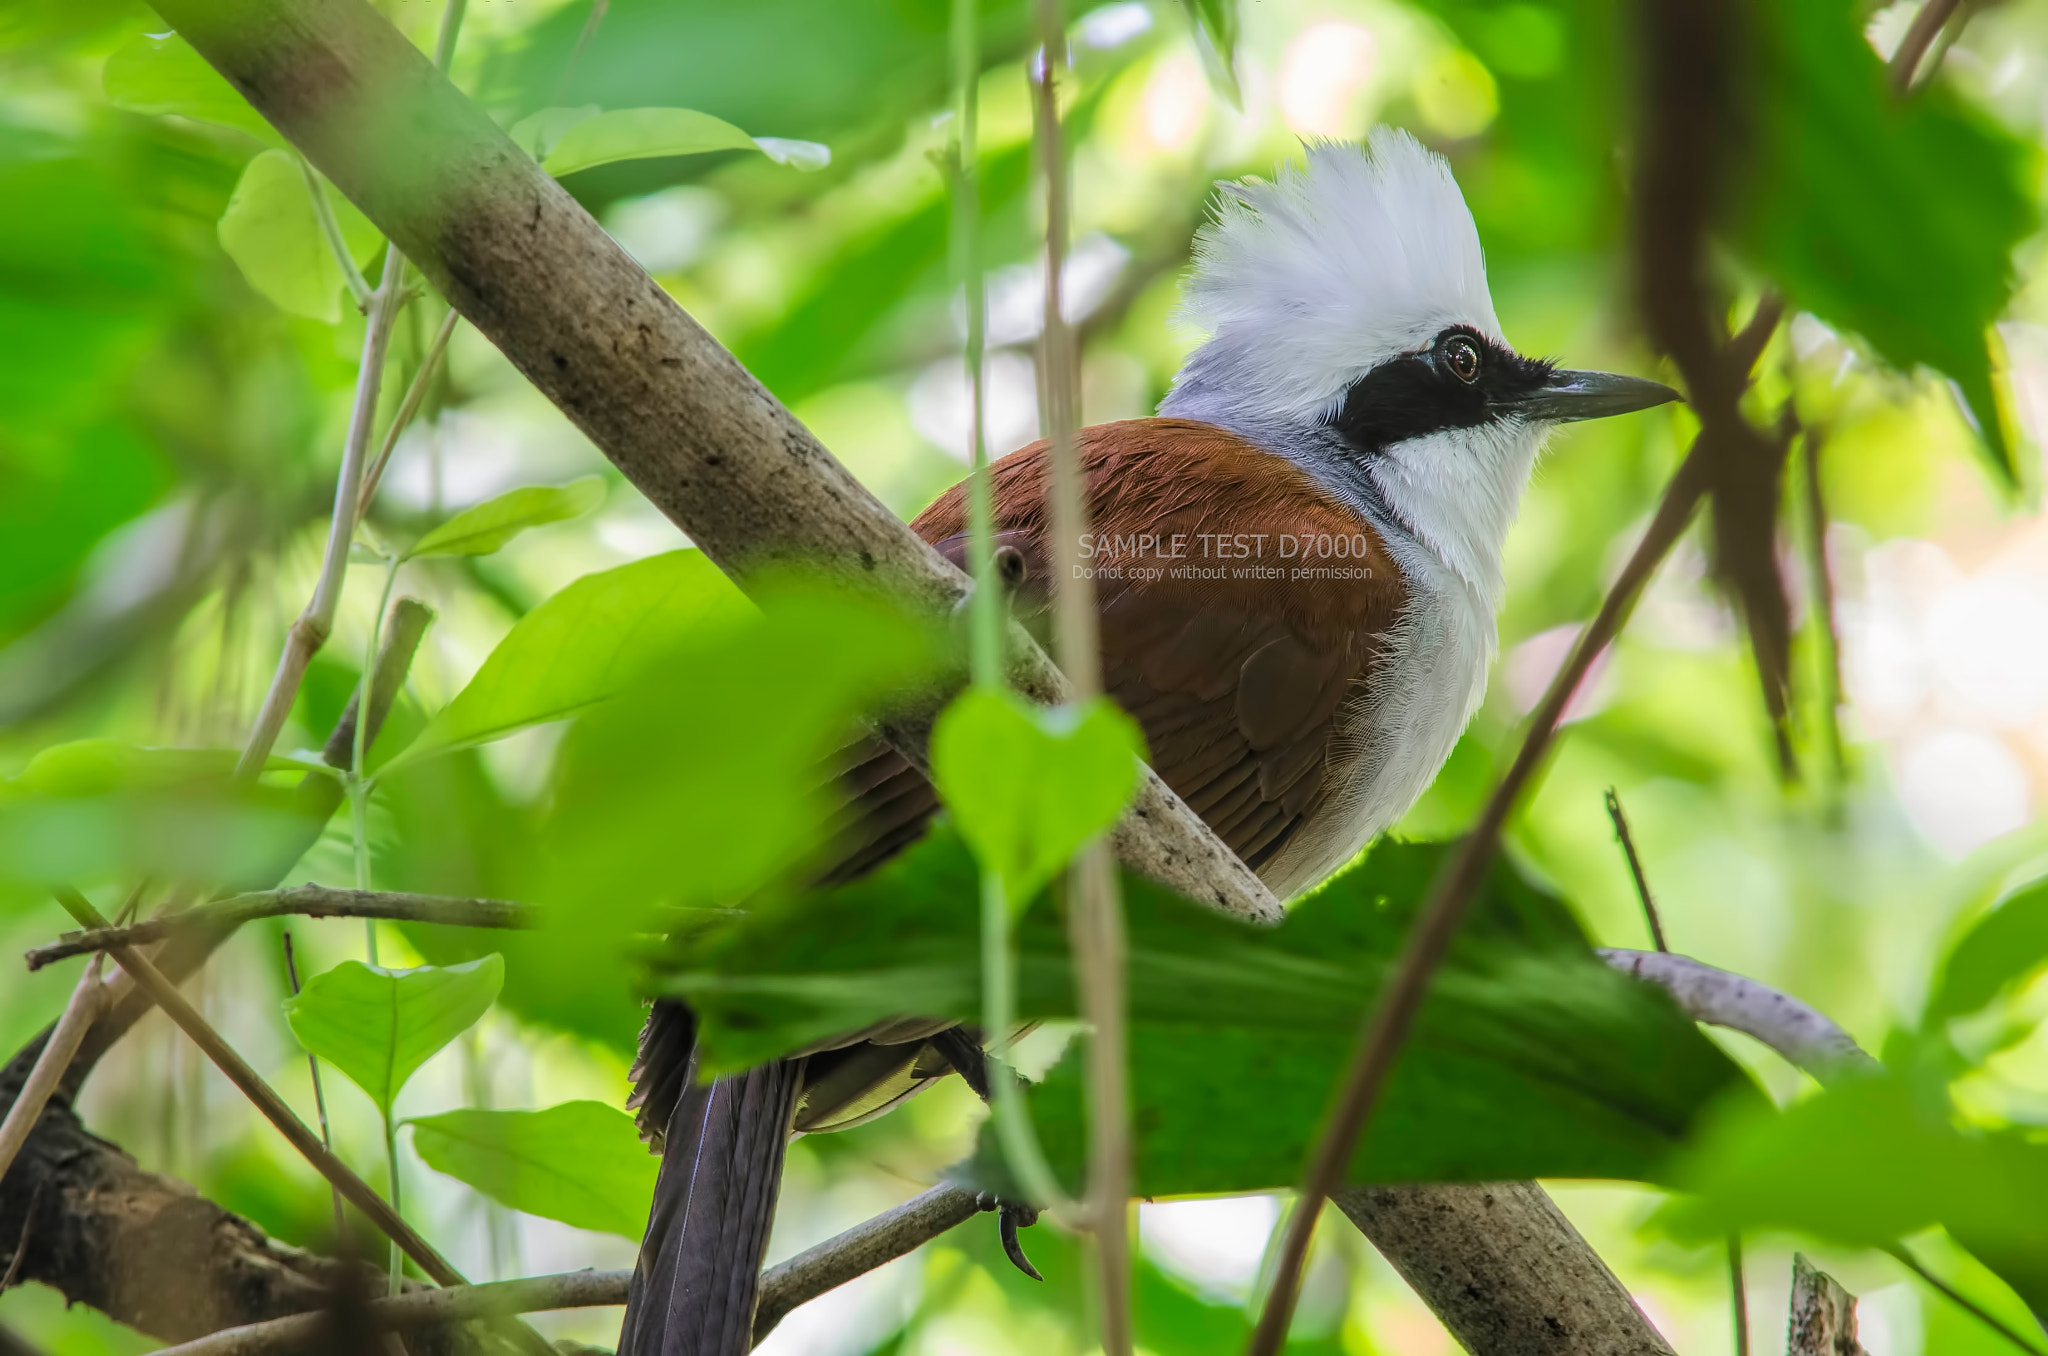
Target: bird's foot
(1010,1217)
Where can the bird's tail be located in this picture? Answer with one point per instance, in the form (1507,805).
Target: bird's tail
(693,1288)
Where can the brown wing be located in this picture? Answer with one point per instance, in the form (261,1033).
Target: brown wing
(1240,604)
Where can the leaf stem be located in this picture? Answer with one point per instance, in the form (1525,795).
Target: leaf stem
(430,363)
(998,1017)
(1095,910)
(323,212)
(359,782)
(291,971)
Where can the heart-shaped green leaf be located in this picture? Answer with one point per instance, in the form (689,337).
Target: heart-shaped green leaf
(566,140)
(271,233)
(581,1162)
(378,1026)
(578,648)
(150,74)
(488,526)
(1027,784)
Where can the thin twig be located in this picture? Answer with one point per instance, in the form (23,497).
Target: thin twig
(590,25)
(323,212)
(87,1000)
(1962,1301)
(407,408)
(1635,869)
(1095,919)
(1738,1295)
(309,901)
(889,1235)
(1430,937)
(194,1024)
(28,1222)
(311,630)
(1821,579)
(1926,26)
(1806,1038)
(291,972)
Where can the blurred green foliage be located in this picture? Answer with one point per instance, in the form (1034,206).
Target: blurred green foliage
(589,722)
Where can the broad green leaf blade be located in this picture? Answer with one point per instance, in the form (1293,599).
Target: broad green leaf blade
(537,133)
(581,1162)
(272,234)
(1868,1162)
(90,767)
(580,647)
(1028,785)
(488,526)
(1532,1058)
(149,74)
(378,1026)
(1896,220)
(720,754)
(642,134)
(2003,946)
(1216,27)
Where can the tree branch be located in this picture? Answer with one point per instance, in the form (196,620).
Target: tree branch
(1806,1038)
(309,901)
(861,1249)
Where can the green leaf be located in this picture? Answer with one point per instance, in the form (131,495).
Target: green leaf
(580,647)
(1868,1162)
(150,74)
(2004,946)
(537,133)
(93,767)
(488,526)
(272,234)
(1894,219)
(720,752)
(1028,785)
(1531,1057)
(1216,40)
(581,1162)
(581,140)
(378,1026)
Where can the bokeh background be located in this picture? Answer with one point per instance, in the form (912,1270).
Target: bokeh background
(168,444)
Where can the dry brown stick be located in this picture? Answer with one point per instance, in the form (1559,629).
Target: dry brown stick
(1437,924)
(1095,922)
(310,901)
(1823,1314)
(83,1009)
(1635,869)
(238,1071)
(1920,35)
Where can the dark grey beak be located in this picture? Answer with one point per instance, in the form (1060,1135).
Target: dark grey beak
(1570,396)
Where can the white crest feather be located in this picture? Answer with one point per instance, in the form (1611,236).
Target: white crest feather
(1307,283)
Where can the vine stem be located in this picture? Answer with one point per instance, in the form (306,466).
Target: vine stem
(1095,922)
(291,973)
(323,212)
(80,1011)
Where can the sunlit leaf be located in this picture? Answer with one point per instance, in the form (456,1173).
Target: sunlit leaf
(2000,948)
(581,1162)
(537,133)
(1531,1058)
(1216,39)
(648,133)
(1868,1162)
(1894,219)
(378,1026)
(272,234)
(488,526)
(720,754)
(91,767)
(1028,785)
(580,647)
(152,74)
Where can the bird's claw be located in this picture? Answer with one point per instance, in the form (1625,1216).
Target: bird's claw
(1010,1217)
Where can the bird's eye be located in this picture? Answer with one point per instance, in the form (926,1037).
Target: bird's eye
(1461,355)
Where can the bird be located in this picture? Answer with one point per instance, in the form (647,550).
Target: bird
(1298,571)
